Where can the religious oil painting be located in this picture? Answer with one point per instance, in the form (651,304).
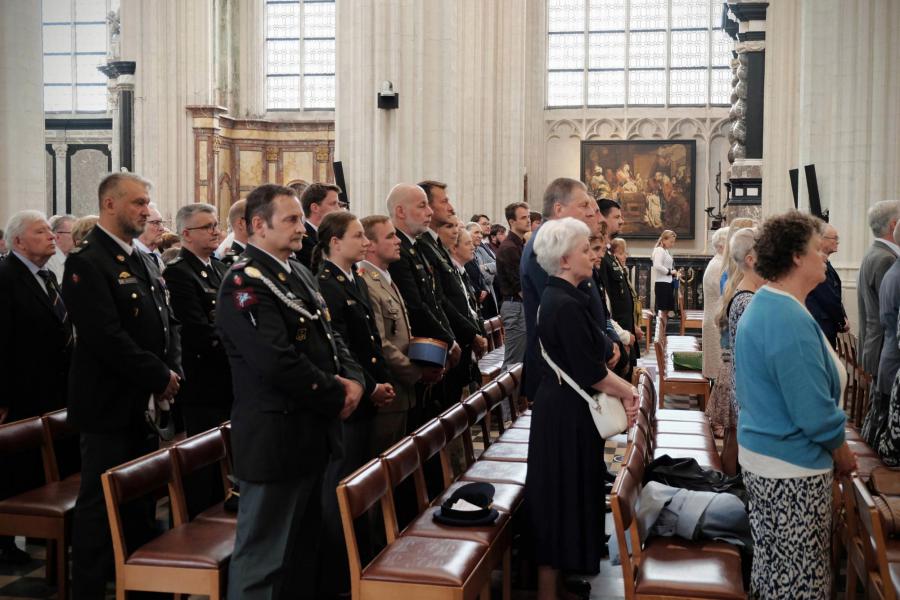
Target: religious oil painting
(652,180)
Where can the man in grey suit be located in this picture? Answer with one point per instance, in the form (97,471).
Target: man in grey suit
(883,217)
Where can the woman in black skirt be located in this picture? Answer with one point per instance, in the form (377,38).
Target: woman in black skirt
(564,488)
(664,272)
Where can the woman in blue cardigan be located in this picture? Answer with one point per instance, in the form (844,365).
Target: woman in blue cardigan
(788,383)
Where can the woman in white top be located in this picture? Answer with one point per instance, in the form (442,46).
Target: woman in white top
(663,271)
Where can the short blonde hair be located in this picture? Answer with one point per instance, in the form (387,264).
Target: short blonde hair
(557,238)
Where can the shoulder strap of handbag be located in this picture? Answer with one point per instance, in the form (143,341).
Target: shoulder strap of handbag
(560,374)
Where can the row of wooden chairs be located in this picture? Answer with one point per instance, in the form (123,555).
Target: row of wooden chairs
(873,557)
(423,559)
(689,318)
(46,511)
(668,567)
(859,383)
(491,363)
(672,381)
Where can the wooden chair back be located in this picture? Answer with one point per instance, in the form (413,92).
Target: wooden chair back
(495,397)
(477,410)
(871,533)
(431,440)
(456,424)
(189,456)
(624,499)
(27,437)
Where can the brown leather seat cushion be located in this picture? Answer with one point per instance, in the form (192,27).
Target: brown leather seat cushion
(425,526)
(429,561)
(860,448)
(690,442)
(674,414)
(671,567)
(507,496)
(507,452)
(195,545)
(706,459)
(515,436)
(51,500)
(522,423)
(865,464)
(684,427)
(495,471)
(217,514)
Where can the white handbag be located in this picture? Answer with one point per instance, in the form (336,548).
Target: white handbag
(607,411)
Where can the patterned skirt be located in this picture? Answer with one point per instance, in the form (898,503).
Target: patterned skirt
(790,520)
(720,409)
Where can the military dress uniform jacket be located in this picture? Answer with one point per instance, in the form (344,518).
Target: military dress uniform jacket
(448,288)
(615,281)
(392,322)
(233,254)
(286,400)
(127,337)
(193,288)
(415,279)
(304,254)
(352,317)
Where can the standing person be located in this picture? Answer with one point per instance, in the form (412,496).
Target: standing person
(230,250)
(35,347)
(664,272)
(484,288)
(62,229)
(564,487)
(883,218)
(496,237)
(509,257)
(789,384)
(318,200)
(536,220)
(619,249)
(127,354)
(825,303)
(149,240)
(293,380)
(616,283)
(712,275)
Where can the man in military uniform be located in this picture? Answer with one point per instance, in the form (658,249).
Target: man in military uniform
(414,277)
(293,379)
(238,225)
(317,200)
(615,282)
(127,355)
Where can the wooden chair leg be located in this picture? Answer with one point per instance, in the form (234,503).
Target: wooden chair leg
(507,574)
(486,591)
(62,568)
(850,590)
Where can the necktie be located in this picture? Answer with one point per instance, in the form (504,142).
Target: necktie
(59,309)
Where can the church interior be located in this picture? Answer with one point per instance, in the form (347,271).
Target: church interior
(683,117)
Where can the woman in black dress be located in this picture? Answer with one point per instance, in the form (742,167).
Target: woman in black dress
(564,487)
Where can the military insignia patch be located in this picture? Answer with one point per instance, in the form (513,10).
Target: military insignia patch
(341,278)
(238,280)
(120,258)
(75,278)
(203,274)
(124,275)
(282,277)
(244,298)
(301,334)
(253,272)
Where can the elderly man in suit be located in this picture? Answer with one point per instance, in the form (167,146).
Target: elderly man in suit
(824,302)
(882,217)
(35,345)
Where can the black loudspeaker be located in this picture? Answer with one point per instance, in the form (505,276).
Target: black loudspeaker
(812,188)
(795,174)
(339,180)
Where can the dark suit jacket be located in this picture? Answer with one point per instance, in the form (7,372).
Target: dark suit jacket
(874,265)
(304,254)
(34,345)
(414,277)
(233,254)
(466,370)
(352,317)
(284,422)
(825,305)
(193,288)
(464,330)
(615,282)
(126,334)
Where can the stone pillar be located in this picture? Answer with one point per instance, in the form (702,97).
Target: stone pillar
(59,154)
(23,159)
(121,74)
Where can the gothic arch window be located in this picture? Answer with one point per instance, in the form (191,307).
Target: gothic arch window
(637,53)
(300,54)
(75,41)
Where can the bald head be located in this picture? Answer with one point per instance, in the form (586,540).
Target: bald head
(237,221)
(408,208)
(830,239)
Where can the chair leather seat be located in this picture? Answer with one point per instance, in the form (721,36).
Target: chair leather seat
(860,448)
(682,440)
(195,545)
(684,376)
(894,576)
(865,464)
(685,427)
(54,499)
(429,561)
(507,496)
(425,526)
(703,458)
(693,315)
(522,423)
(675,414)
(506,452)
(850,433)
(515,436)
(496,471)
(672,567)
(217,514)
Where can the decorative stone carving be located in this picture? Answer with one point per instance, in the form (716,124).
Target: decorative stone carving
(272,154)
(750,46)
(322,154)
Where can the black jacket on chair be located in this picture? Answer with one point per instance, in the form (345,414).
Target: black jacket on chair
(126,334)
(284,422)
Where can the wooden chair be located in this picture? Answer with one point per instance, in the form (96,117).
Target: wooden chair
(409,566)
(692,319)
(46,511)
(489,470)
(188,457)
(872,542)
(646,323)
(495,397)
(691,383)
(191,558)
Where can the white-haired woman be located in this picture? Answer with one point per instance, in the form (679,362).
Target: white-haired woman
(712,351)
(565,482)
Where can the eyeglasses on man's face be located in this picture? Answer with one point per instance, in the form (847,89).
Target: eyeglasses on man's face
(209,227)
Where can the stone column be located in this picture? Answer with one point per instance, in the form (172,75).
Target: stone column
(23,161)
(121,74)
(748,27)
(59,153)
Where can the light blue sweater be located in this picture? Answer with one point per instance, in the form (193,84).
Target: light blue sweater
(786,384)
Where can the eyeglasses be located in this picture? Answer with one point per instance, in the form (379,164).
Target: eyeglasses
(209,227)
(157,223)
(832,237)
(63,233)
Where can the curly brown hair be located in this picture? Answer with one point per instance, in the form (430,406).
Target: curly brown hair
(781,238)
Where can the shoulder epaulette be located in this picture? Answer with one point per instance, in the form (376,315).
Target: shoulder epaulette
(241,264)
(175,261)
(76,249)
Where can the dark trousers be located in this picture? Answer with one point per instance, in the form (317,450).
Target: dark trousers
(334,570)
(277,538)
(92,553)
(204,487)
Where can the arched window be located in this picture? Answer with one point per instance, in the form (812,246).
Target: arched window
(300,64)
(637,53)
(75,40)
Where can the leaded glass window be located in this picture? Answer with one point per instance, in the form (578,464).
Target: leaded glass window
(300,54)
(637,52)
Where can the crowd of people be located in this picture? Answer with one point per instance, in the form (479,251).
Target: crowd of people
(297,326)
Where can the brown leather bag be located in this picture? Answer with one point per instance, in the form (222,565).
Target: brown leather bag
(885,486)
